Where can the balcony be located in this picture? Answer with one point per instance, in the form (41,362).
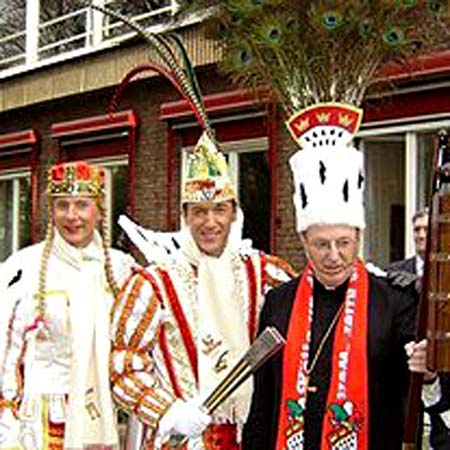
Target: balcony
(36,33)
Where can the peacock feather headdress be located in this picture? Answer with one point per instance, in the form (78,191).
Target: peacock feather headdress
(320,50)
(319,57)
(205,175)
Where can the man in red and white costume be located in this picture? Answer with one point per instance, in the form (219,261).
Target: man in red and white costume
(342,377)
(182,323)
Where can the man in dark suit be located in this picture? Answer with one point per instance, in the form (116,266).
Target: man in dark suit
(436,392)
(415,263)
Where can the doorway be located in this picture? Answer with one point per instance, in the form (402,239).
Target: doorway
(385,198)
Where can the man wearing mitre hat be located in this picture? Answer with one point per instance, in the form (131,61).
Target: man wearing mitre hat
(182,323)
(341,379)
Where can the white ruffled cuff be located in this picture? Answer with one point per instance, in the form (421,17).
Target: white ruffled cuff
(445,416)
(431,393)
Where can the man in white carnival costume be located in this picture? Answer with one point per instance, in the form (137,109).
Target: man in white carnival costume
(54,390)
(181,325)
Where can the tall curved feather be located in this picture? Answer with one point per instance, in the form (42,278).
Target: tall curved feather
(166,54)
(154,67)
(190,71)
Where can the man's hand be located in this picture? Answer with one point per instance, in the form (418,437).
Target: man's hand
(184,418)
(417,359)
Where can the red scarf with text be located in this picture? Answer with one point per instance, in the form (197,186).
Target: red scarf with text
(346,418)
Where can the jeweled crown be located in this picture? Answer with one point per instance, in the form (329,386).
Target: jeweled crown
(76,179)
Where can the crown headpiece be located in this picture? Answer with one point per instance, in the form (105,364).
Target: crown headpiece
(325,125)
(205,175)
(76,179)
(328,172)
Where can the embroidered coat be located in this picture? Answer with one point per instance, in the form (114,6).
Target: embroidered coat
(155,350)
(36,373)
(391,325)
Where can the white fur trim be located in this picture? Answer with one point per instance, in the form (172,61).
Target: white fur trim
(328,187)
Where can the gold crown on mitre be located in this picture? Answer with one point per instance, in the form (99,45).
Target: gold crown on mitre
(76,179)
(328,172)
(205,174)
(325,124)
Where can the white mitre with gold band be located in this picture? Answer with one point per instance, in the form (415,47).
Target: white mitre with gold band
(205,174)
(328,172)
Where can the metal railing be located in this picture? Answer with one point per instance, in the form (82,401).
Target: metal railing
(76,33)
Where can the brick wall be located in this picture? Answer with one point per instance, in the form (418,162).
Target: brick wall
(144,97)
(288,240)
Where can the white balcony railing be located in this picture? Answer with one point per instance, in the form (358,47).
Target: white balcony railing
(76,33)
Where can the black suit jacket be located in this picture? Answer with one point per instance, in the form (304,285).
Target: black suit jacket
(408,265)
(391,324)
(440,434)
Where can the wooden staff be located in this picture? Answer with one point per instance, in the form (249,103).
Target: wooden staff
(438,329)
(433,321)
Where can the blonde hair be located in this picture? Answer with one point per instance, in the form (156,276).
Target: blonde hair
(49,235)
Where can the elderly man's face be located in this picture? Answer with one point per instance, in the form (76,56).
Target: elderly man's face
(210,225)
(332,250)
(76,218)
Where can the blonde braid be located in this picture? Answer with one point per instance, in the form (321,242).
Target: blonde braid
(106,244)
(40,295)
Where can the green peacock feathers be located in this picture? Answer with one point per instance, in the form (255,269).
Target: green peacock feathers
(320,50)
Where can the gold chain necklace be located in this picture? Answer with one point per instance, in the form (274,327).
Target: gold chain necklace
(316,356)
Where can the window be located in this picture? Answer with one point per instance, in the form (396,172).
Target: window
(399,170)
(384,237)
(146,13)
(15,213)
(62,26)
(18,190)
(32,31)
(12,33)
(117,195)
(425,154)
(249,167)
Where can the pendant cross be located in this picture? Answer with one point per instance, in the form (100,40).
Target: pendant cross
(309,388)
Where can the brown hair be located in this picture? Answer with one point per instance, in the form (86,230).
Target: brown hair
(420,213)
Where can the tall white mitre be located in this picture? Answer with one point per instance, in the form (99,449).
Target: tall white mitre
(328,172)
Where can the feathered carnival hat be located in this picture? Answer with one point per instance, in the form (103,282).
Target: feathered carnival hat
(318,58)
(205,176)
(76,179)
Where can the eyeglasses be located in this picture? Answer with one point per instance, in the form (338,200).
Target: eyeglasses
(341,245)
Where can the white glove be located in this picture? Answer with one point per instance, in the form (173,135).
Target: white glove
(9,429)
(184,418)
